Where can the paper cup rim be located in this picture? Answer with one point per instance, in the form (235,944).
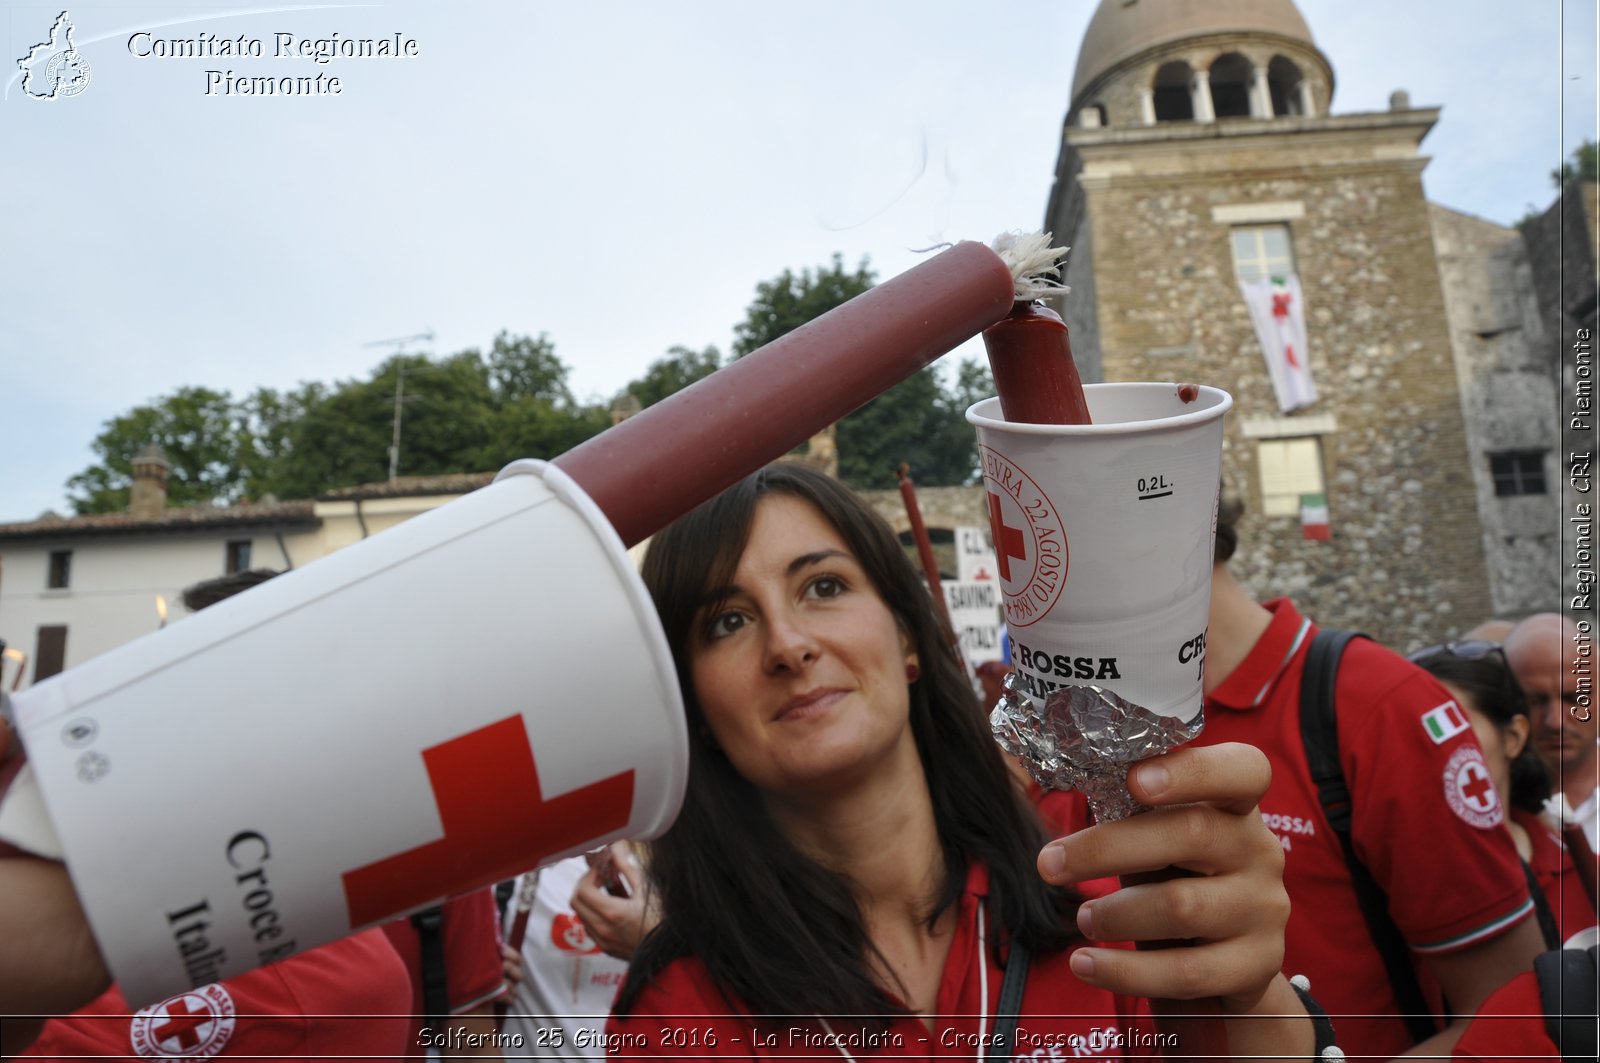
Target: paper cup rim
(986,412)
(568,490)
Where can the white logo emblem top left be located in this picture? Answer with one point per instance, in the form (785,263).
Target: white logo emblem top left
(54,69)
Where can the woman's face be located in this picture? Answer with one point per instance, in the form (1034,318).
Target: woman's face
(801,671)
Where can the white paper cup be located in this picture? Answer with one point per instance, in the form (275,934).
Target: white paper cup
(479,690)
(1103,533)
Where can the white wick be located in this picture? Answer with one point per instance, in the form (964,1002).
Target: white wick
(1034,264)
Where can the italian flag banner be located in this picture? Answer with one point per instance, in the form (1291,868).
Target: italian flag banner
(1314,517)
(1278,313)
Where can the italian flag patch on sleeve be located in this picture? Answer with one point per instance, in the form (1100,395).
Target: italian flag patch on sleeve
(1445,722)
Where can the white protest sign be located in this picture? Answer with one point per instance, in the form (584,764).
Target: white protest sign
(975,614)
(975,561)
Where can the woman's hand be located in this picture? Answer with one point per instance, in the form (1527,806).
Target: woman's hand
(617,924)
(1230,911)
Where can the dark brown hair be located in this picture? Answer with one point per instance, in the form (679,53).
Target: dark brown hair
(1229,510)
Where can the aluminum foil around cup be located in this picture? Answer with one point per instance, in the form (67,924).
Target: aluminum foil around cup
(1085,738)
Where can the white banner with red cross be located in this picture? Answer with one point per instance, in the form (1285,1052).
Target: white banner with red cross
(1277,310)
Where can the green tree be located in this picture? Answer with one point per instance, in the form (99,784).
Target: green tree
(197,427)
(535,414)
(535,428)
(460,413)
(265,419)
(524,367)
(916,421)
(446,423)
(786,302)
(1584,165)
(672,372)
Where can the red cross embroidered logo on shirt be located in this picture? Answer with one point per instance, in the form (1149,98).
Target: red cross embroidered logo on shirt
(180,1023)
(497,823)
(1469,791)
(195,1026)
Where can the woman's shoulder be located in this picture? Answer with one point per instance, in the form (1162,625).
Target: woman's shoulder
(679,1012)
(682,987)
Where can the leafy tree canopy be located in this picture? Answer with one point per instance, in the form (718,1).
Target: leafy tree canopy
(672,372)
(470,412)
(201,433)
(1584,165)
(915,422)
(787,301)
(459,413)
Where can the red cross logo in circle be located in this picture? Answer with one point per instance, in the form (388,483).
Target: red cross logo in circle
(1469,790)
(181,1024)
(197,1025)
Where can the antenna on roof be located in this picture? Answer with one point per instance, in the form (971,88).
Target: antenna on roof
(399,344)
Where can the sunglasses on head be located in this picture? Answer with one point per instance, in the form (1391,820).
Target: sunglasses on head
(1463,650)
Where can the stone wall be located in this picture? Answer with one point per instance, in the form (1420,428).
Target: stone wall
(943,510)
(1561,253)
(1508,396)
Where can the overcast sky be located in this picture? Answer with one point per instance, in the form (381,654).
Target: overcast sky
(617,175)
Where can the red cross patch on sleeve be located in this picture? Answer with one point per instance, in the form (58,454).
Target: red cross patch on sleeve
(1469,790)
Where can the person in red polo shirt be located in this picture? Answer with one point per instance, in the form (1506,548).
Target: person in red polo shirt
(346,998)
(469,946)
(1425,818)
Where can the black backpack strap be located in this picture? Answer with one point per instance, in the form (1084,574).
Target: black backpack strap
(1567,990)
(1319,727)
(1541,909)
(435,981)
(1004,1045)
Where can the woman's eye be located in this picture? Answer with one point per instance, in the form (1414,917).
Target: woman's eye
(827,587)
(724,625)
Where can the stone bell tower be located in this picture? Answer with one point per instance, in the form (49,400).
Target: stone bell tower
(1199,150)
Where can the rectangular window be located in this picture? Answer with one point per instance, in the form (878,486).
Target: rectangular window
(1517,472)
(60,570)
(50,652)
(1262,251)
(238,556)
(1289,468)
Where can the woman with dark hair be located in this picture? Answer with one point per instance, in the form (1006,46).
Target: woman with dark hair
(853,869)
(1476,674)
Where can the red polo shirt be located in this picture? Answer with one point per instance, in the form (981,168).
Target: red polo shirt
(681,1015)
(470,933)
(346,998)
(1426,821)
(1509,1027)
(1556,874)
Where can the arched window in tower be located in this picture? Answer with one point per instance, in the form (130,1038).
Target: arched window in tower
(1171,92)
(1283,83)
(1230,86)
